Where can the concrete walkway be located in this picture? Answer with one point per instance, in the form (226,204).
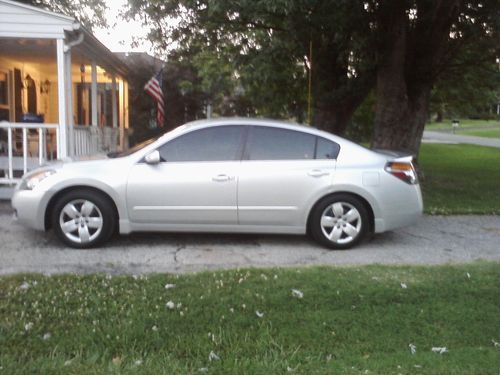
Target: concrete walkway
(443,137)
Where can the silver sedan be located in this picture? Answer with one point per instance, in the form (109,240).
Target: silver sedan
(226,175)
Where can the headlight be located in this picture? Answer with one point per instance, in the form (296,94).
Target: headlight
(32,181)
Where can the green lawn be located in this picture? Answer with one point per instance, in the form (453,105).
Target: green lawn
(467,123)
(487,133)
(349,320)
(460,179)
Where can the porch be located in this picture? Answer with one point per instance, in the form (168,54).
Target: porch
(62,93)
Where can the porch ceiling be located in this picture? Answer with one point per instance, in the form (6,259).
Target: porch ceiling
(39,50)
(43,51)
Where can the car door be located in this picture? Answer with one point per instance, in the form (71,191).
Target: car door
(281,171)
(194,183)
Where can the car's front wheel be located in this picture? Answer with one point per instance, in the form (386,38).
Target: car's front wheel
(339,221)
(83,218)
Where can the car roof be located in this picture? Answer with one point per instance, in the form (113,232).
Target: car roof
(257,122)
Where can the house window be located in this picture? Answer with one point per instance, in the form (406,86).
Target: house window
(104,104)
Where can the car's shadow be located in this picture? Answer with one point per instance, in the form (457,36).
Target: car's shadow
(207,239)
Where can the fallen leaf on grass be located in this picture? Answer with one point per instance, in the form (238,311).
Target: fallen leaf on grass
(25,286)
(213,357)
(117,361)
(440,350)
(413,348)
(297,293)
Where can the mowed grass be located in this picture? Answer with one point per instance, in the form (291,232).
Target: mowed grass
(349,320)
(486,133)
(460,179)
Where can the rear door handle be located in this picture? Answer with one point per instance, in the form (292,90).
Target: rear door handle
(221,178)
(317,173)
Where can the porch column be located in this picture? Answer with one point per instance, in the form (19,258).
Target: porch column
(69,93)
(95,141)
(113,100)
(124,128)
(62,150)
(125,105)
(93,94)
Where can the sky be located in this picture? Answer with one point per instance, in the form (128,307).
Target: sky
(120,34)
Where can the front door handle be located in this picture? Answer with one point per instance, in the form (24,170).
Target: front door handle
(318,173)
(221,178)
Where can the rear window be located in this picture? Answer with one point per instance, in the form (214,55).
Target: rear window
(326,149)
(266,143)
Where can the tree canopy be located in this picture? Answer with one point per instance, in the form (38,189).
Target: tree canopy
(90,12)
(261,52)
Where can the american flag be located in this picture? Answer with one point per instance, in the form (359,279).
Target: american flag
(154,89)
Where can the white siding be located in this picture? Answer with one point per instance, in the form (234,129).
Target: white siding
(17,20)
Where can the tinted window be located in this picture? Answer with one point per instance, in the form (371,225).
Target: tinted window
(212,144)
(326,149)
(266,143)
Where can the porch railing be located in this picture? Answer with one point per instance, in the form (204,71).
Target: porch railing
(24,146)
(91,140)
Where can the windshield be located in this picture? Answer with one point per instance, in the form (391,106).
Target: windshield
(131,150)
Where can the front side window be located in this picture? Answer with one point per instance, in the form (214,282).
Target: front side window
(266,143)
(211,144)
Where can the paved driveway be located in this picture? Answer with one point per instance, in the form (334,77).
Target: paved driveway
(434,240)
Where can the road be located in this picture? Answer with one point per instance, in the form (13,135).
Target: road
(434,240)
(446,137)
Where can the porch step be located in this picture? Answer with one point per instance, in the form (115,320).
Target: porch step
(6,192)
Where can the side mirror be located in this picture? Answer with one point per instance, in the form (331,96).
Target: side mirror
(153,158)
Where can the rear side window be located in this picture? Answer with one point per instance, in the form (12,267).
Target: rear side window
(266,143)
(326,149)
(211,144)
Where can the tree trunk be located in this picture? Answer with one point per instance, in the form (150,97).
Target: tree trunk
(440,113)
(407,69)
(333,117)
(402,130)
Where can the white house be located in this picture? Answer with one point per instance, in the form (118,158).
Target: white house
(54,72)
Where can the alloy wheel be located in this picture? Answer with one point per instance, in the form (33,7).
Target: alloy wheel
(81,221)
(341,223)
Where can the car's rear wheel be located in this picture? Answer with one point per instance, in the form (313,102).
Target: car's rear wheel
(83,218)
(339,221)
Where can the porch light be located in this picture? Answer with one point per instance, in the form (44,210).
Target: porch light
(28,81)
(45,87)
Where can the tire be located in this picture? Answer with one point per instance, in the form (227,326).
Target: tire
(339,221)
(83,218)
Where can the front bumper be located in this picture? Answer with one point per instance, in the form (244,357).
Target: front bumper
(29,208)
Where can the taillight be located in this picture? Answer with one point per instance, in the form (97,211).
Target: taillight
(403,170)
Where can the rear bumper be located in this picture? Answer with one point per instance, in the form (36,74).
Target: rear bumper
(400,210)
